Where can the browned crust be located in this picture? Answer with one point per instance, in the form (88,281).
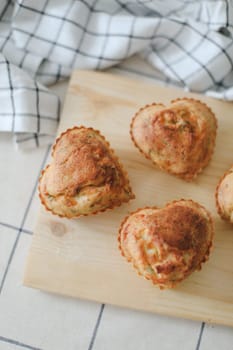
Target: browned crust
(219,210)
(115,157)
(119,241)
(194,100)
(184,177)
(123,222)
(205,258)
(215,129)
(131,128)
(79,128)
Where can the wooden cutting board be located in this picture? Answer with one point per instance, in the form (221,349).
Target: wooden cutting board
(80,258)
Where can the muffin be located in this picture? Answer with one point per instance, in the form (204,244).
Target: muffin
(166,245)
(179,138)
(84,177)
(224,196)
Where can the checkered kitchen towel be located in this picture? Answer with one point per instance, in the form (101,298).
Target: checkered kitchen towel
(189,43)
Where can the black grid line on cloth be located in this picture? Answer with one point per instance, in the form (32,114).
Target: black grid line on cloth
(105,43)
(78,25)
(198,70)
(68,20)
(107,35)
(8,3)
(195,47)
(58,74)
(90,347)
(91,53)
(28,232)
(203,37)
(23,59)
(227,13)
(11,94)
(26,7)
(210,61)
(131,36)
(200,336)
(17,56)
(136,8)
(58,110)
(25,53)
(150,12)
(36,139)
(31,136)
(31,115)
(77,50)
(125,7)
(63,21)
(2,283)
(207,38)
(71,48)
(174,38)
(34,89)
(6,39)
(17,343)
(168,67)
(38,107)
(191,56)
(31,35)
(18,87)
(103,34)
(157,28)
(4,224)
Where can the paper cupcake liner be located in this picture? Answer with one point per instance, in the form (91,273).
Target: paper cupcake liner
(187,176)
(159,283)
(115,158)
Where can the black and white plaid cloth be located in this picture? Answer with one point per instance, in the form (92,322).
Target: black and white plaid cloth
(189,43)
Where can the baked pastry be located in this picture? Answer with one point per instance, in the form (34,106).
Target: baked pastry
(84,177)
(179,138)
(224,196)
(166,245)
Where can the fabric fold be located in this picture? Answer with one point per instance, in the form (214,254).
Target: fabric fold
(189,44)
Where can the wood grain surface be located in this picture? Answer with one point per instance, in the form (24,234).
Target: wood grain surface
(80,257)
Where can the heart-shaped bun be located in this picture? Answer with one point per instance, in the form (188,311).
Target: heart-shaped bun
(224,196)
(84,177)
(179,138)
(166,245)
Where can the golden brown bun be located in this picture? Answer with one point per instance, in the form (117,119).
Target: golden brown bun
(84,177)
(179,138)
(166,245)
(224,196)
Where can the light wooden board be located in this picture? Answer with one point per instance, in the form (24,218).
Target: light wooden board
(80,257)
